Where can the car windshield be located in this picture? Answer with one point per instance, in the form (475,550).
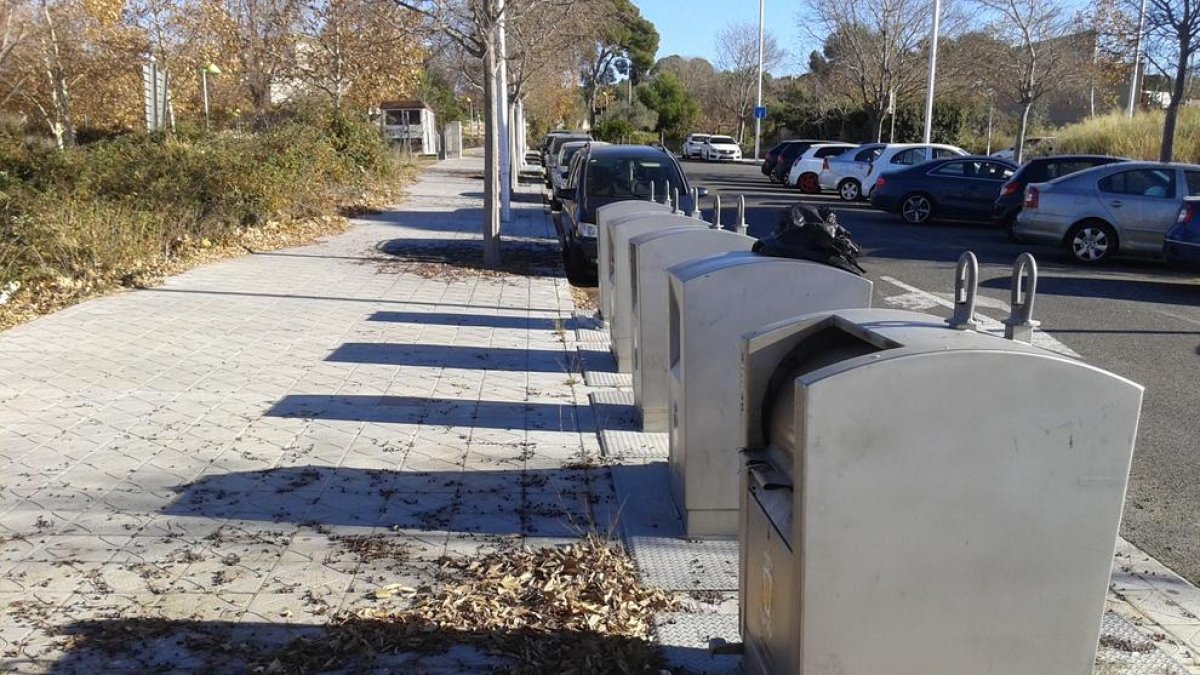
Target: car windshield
(631,177)
(724,140)
(699,138)
(569,152)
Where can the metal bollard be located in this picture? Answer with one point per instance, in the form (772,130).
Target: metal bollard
(742,228)
(1020,324)
(652,197)
(966,286)
(695,195)
(716,221)
(674,200)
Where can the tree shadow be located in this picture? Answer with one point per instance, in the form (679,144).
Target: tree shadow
(456,356)
(537,258)
(568,502)
(446,412)
(404,645)
(473,320)
(1171,288)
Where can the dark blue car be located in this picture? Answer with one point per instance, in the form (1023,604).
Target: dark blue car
(957,188)
(1182,245)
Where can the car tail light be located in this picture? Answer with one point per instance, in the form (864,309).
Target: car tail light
(1010,189)
(1032,197)
(880,183)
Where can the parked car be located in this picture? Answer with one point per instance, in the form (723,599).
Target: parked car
(772,156)
(1040,170)
(955,188)
(603,174)
(544,146)
(693,146)
(805,173)
(787,157)
(853,175)
(558,175)
(1035,146)
(555,144)
(1182,243)
(1118,208)
(718,148)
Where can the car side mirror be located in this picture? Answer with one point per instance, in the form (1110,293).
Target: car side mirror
(564,193)
(702,191)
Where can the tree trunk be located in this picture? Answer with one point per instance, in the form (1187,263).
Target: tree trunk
(877,121)
(491,160)
(1177,93)
(1022,127)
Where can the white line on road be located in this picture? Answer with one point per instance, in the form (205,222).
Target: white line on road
(917,299)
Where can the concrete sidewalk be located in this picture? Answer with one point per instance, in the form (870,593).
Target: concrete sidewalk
(200,472)
(213,461)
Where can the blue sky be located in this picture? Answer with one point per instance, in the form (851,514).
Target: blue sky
(690,27)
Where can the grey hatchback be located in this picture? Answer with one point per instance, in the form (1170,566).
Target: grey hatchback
(1095,214)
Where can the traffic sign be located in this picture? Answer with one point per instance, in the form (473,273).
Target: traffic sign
(760,112)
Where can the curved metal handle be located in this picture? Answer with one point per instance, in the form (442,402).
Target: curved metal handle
(966,287)
(741,215)
(695,194)
(674,200)
(1020,324)
(716,221)
(652,198)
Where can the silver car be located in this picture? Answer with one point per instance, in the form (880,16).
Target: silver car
(1097,213)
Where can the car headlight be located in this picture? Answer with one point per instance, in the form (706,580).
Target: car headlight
(588,231)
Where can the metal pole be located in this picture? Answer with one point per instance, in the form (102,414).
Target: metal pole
(757,121)
(1137,60)
(716,221)
(933,49)
(204,86)
(502,109)
(991,111)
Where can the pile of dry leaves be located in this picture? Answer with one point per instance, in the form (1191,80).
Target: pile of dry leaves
(574,609)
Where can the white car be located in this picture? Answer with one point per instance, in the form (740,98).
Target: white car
(805,173)
(693,146)
(718,148)
(853,174)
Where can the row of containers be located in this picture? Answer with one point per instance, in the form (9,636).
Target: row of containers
(910,495)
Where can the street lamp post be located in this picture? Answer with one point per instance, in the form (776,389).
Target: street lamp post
(933,48)
(757,120)
(210,69)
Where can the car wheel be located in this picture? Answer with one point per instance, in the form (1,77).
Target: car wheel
(578,273)
(916,209)
(1092,242)
(809,184)
(849,190)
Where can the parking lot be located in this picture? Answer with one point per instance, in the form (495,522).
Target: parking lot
(1137,318)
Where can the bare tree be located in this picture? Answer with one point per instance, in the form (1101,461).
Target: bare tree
(876,47)
(1041,53)
(1172,39)
(737,53)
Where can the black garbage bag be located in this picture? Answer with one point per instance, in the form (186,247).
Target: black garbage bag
(811,235)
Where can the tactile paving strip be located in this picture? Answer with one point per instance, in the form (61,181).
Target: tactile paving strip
(593,336)
(618,444)
(685,639)
(614,409)
(1125,650)
(599,378)
(679,564)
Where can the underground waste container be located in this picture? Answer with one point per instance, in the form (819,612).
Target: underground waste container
(924,500)
(711,303)
(606,215)
(651,254)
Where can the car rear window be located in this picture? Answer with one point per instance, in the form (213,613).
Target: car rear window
(631,177)
(722,139)
(1141,182)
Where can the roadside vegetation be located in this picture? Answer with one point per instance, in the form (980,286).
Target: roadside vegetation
(125,211)
(1139,137)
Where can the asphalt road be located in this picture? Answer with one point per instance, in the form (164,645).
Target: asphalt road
(1136,318)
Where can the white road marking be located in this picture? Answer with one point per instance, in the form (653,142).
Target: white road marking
(917,299)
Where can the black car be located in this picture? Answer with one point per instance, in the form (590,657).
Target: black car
(604,174)
(554,143)
(771,159)
(1039,170)
(955,187)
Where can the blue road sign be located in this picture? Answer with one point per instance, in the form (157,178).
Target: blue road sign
(760,112)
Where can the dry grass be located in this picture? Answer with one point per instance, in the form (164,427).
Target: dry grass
(1137,138)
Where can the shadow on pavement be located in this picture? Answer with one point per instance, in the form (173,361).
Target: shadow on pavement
(471,320)
(435,411)
(536,503)
(1169,288)
(396,644)
(541,258)
(456,356)
(332,298)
